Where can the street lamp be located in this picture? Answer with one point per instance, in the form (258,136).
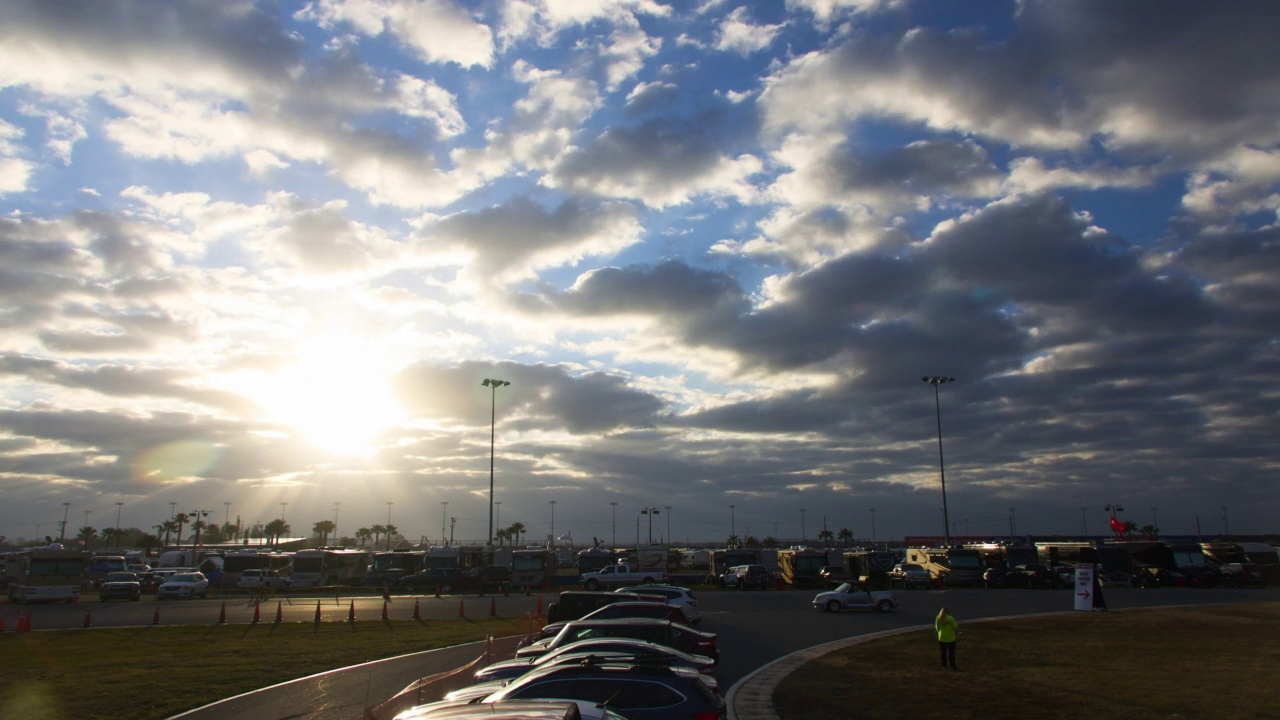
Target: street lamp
(615,523)
(1084,522)
(802,532)
(497,506)
(668,509)
(493,386)
(733,530)
(553,521)
(444,508)
(283,505)
(66,508)
(1226,527)
(935,381)
(119,507)
(873,526)
(650,511)
(336,537)
(1116,525)
(1013,523)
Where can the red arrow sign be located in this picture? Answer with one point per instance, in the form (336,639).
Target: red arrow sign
(1084,594)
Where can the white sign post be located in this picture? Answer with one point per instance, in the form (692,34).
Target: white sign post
(1084,587)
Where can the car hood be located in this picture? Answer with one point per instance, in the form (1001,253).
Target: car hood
(120,584)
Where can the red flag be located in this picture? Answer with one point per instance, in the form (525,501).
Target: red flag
(1116,525)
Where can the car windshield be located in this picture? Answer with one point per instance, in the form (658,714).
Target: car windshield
(843,587)
(122,577)
(184,578)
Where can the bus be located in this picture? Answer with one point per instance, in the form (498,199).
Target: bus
(329,566)
(235,563)
(953,566)
(1112,561)
(49,574)
(802,567)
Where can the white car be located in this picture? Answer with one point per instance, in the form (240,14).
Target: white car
(263,578)
(679,596)
(184,585)
(847,597)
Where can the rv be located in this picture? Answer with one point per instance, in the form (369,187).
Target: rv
(1113,564)
(593,559)
(873,566)
(388,567)
(802,567)
(531,568)
(51,573)
(329,566)
(722,560)
(953,566)
(235,563)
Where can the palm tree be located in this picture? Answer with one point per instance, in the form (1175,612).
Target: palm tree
(1150,531)
(146,541)
(377,533)
(500,535)
(732,542)
(363,535)
(826,536)
(276,529)
(391,530)
(164,528)
(846,536)
(180,519)
(771,542)
(516,529)
(1129,527)
(323,528)
(86,536)
(751,542)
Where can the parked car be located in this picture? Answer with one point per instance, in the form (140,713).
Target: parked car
(729,578)
(995,578)
(442,579)
(848,597)
(908,575)
(120,585)
(512,710)
(663,632)
(574,604)
(675,595)
(1033,575)
(254,578)
(639,691)
(1066,574)
(603,647)
(184,585)
(832,575)
(751,576)
(656,610)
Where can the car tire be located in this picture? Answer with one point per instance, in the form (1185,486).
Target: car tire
(884,606)
(593,584)
(833,606)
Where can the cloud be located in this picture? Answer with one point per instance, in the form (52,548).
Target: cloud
(737,34)
(436,31)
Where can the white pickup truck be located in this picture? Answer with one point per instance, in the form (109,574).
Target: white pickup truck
(619,575)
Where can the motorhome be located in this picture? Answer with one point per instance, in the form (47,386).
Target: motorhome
(236,562)
(871,565)
(532,568)
(953,566)
(323,567)
(722,560)
(388,567)
(801,567)
(48,574)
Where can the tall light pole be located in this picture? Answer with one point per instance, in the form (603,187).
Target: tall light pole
(650,511)
(444,508)
(283,506)
(668,509)
(733,529)
(873,526)
(1084,522)
(497,508)
(1226,527)
(1155,524)
(336,537)
(802,532)
(119,507)
(553,521)
(1013,523)
(66,509)
(615,523)
(935,381)
(172,509)
(493,386)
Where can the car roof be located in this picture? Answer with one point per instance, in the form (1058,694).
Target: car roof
(505,710)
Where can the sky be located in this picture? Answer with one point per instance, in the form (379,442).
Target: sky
(258,258)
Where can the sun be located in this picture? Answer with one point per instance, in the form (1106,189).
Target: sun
(337,395)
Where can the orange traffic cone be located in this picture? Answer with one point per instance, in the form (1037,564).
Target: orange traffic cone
(384,609)
(493,607)
(155,619)
(317,611)
(417,614)
(462,608)
(87,621)
(222,614)
(257,612)
(351,613)
(279,612)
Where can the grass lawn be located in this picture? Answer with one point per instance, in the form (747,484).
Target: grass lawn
(1195,663)
(84,674)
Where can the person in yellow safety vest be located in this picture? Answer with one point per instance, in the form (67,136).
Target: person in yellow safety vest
(947,628)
